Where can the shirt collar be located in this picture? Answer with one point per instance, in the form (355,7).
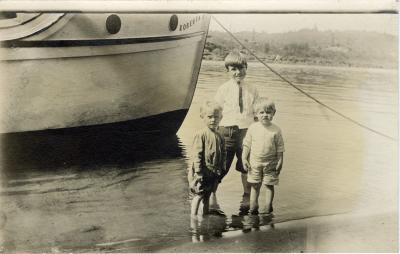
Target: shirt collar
(236,84)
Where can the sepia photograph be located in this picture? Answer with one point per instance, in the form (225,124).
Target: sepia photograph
(193,127)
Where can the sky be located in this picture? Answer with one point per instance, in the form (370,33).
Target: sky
(277,23)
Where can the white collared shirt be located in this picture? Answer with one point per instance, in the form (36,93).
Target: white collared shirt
(228,97)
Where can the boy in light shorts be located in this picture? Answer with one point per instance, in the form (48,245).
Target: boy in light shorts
(262,156)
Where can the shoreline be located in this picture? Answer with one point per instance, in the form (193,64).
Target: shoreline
(305,64)
(353,232)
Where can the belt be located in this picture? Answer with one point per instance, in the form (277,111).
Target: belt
(231,127)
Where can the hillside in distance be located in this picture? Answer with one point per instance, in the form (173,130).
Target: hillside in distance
(311,46)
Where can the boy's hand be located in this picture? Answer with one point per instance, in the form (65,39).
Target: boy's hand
(278,167)
(196,186)
(246,165)
(199,177)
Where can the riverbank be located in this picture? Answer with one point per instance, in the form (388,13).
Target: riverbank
(310,46)
(336,233)
(308,62)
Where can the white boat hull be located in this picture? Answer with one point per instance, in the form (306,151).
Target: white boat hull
(46,84)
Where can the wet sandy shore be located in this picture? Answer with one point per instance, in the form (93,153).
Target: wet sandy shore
(336,233)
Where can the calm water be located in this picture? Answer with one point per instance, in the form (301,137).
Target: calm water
(125,194)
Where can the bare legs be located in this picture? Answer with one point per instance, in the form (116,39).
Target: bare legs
(213,200)
(269,197)
(194,209)
(255,193)
(244,204)
(246,185)
(208,198)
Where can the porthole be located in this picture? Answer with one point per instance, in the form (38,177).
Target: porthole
(113,24)
(173,22)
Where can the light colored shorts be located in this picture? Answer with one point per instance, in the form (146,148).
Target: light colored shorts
(263,173)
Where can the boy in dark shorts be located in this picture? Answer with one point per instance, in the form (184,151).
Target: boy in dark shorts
(237,98)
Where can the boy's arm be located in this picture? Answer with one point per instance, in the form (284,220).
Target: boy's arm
(245,158)
(246,149)
(278,168)
(223,158)
(197,155)
(280,147)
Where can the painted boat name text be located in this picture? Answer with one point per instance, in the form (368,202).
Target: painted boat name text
(189,23)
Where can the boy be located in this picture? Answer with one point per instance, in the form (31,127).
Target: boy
(264,144)
(236,98)
(208,158)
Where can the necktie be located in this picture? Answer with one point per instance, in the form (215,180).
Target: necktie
(240,99)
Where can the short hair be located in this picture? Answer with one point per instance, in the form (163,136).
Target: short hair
(235,58)
(264,103)
(210,105)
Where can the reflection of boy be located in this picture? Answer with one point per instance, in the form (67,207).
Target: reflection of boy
(262,156)
(236,98)
(206,228)
(208,158)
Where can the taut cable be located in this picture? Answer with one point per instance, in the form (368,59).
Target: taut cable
(299,89)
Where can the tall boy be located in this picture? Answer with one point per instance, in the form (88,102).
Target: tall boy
(237,99)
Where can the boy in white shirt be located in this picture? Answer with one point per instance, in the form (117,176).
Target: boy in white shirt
(262,156)
(237,100)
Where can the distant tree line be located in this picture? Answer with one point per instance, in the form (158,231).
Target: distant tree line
(310,47)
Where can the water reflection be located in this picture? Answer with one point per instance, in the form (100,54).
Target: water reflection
(59,160)
(105,187)
(248,223)
(208,227)
(204,228)
(58,149)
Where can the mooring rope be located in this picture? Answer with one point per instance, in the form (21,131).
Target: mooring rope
(299,89)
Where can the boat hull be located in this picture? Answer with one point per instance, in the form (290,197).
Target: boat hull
(57,83)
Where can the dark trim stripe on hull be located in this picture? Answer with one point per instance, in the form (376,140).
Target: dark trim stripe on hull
(165,123)
(93,42)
